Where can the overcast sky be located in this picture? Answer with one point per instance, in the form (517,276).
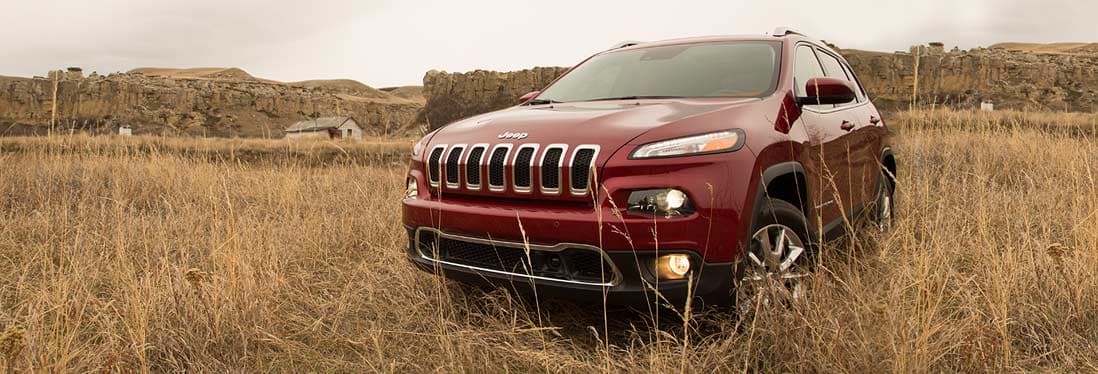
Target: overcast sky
(384,43)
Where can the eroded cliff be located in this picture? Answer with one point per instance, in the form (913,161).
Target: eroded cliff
(1057,77)
(200,102)
(452,96)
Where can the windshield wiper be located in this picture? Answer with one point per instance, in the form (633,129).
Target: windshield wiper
(635,98)
(540,102)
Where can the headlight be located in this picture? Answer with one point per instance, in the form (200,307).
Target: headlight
(412,191)
(723,141)
(417,148)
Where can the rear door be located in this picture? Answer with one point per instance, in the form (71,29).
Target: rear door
(873,131)
(826,152)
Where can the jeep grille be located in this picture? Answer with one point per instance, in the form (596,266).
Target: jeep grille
(529,168)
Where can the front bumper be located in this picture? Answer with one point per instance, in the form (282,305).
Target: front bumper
(628,278)
(717,185)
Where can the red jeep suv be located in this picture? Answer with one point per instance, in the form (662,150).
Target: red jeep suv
(703,168)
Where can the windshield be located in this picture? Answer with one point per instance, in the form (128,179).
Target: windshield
(733,69)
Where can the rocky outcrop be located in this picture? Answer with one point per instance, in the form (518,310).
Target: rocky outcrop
(452,96)
(198,102)
(1011,76)
(1033,78)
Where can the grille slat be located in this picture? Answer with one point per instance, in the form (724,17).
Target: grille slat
(521,169)
(453,167)
(497,167)
(472,167)
(433,164)
(581,169)
(550,169)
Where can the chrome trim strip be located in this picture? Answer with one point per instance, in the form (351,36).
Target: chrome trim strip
(560,168)
(529,166)
(430,181)
(572,162)
(554,248)
(506,163)
(446,159)
(480,168)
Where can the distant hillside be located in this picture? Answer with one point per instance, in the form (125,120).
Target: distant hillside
(347,86)
(197,101)
(1058,48)
(408,92)
(196,73)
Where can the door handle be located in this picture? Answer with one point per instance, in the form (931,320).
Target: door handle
(874,120)
(847,125)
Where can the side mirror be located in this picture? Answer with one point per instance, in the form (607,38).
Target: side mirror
(827,91)
(528,96)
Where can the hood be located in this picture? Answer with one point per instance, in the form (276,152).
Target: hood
(592,132)
(609,125)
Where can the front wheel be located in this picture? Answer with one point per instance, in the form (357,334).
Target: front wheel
(777,260)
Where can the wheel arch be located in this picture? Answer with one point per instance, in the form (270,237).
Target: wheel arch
(888,164)
(785,181)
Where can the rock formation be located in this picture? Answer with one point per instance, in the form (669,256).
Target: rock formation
(452,96)
(1012,76)
(230,102)
(197,102)
(1055,77)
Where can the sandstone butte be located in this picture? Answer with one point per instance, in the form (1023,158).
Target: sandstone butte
(230,102)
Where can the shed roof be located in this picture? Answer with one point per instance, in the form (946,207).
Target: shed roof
(318,124)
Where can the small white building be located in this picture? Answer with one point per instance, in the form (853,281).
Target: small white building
(987,106)
(325,128)
(125,130)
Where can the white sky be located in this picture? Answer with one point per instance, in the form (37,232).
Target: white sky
(384,43)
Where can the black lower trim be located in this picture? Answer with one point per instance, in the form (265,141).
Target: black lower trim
(712,283)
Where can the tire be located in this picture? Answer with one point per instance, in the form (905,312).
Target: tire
(763,276)
(882,214)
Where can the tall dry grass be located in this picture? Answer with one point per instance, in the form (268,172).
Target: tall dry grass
(161,260)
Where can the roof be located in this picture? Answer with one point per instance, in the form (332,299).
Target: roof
(779,33)
(318,124)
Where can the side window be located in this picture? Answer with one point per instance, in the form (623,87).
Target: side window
(834,69)
(858,89)
(806,67)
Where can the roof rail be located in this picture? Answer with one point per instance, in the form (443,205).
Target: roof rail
(783,31)
(627,43)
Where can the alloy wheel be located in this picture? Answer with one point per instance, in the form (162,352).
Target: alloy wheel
(773,269)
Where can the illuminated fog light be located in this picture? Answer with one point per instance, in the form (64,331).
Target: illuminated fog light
(412,191)
(671,200)
(673,266)
(668,202)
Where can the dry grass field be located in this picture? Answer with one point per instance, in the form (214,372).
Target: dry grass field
(245,256)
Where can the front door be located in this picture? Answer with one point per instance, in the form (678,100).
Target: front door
(827,152)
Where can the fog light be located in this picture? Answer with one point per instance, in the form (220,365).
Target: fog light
(412,191)
(669,202)
(673,266)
